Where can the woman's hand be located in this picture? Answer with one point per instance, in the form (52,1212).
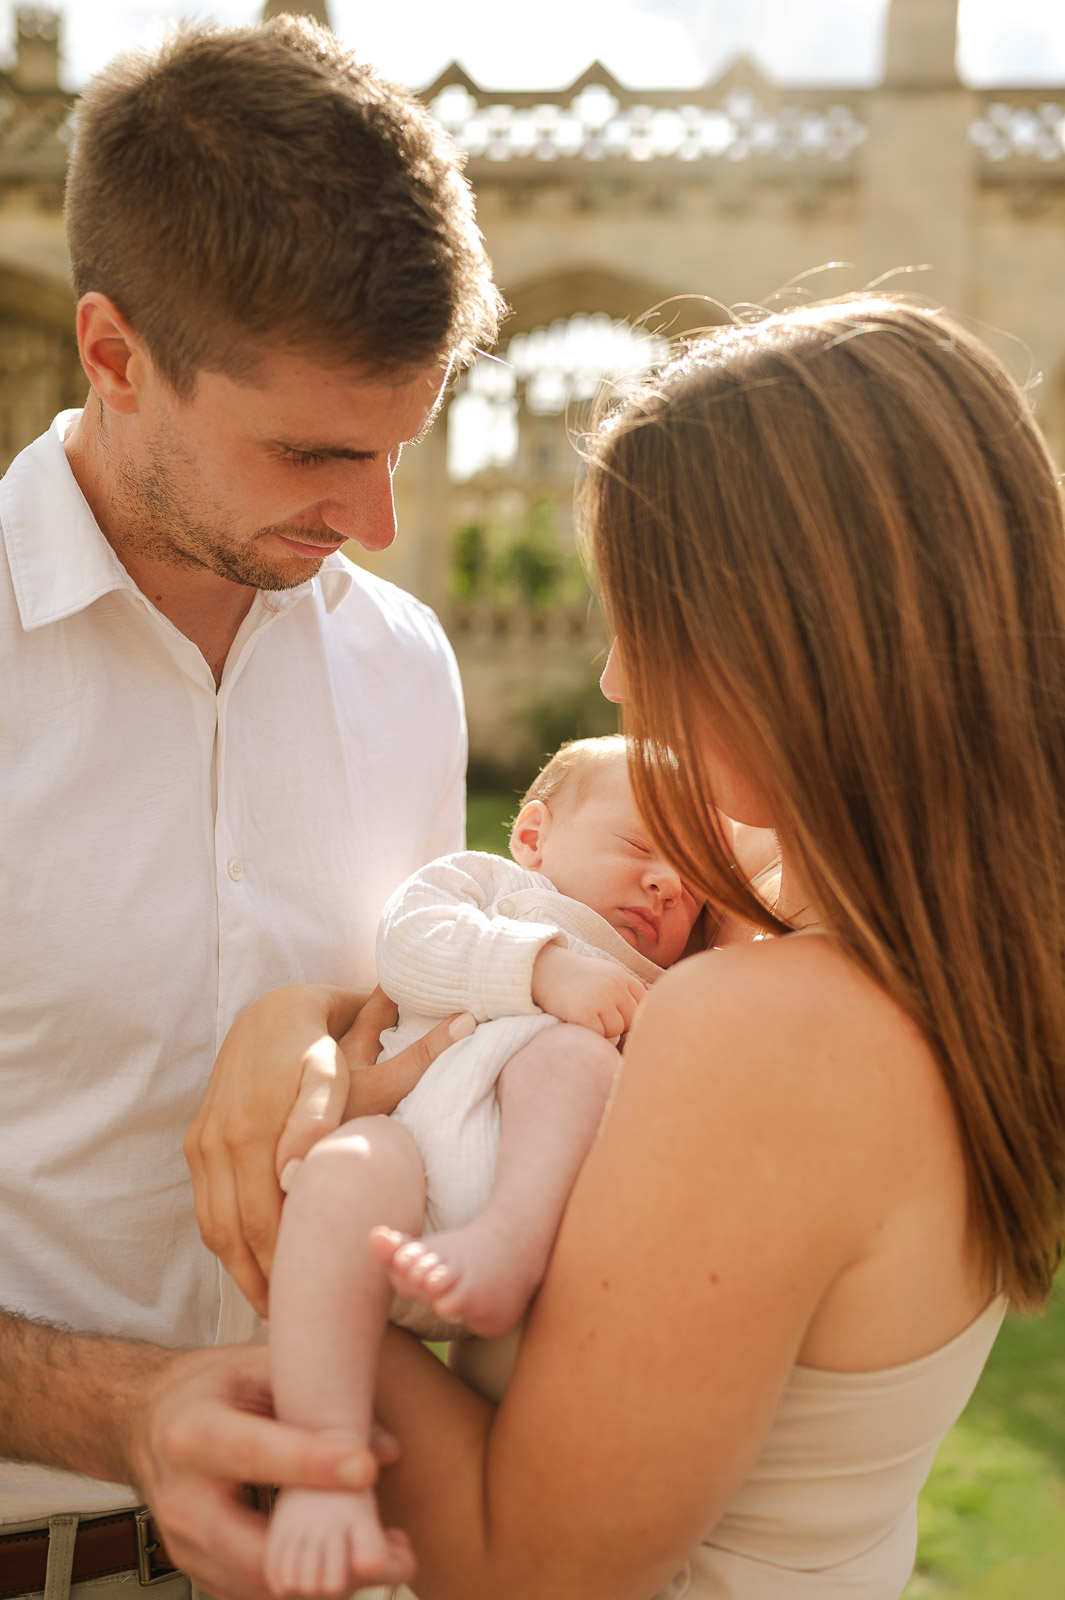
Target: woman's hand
(282,1076)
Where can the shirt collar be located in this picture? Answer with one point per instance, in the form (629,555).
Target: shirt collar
(60,559)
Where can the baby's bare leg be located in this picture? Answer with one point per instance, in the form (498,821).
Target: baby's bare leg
(552,1094)
(329,1304)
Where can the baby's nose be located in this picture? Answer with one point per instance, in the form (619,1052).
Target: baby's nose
(664,880)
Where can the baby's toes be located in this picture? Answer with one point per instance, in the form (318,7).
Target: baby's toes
(385,1242)
(335,1572)
(416,1263)
(309,1567)
(282,1562)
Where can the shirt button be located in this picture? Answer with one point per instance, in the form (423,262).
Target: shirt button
(236,870)
(506,908)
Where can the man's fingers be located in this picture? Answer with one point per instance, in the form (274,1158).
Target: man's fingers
(259,1205)
(222,1442)
(424,1051)
(218,1541)
(221,1228)
(384,1445)
(377,1089)
(319,1103)
(362,1042)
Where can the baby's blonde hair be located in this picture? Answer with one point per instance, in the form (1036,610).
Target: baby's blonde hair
(573,767)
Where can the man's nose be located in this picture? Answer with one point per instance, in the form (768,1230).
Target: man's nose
(364,509)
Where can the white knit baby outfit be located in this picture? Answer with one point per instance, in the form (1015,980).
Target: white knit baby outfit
(462,934)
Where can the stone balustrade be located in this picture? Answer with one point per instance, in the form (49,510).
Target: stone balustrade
(1021,127)
(600,122)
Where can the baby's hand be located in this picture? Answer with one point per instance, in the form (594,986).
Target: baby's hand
(597,994)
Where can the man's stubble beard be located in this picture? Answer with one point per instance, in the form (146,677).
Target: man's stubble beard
(158,526)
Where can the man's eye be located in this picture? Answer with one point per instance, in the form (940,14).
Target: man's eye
(303,458)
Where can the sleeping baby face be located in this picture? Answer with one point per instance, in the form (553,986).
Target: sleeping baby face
(592,844)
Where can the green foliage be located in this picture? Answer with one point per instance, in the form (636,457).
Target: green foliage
(583,714)
(488,819)
(532,563)
(992,1515)
(469,567)
(523,565)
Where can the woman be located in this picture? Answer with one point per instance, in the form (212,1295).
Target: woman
(832,557)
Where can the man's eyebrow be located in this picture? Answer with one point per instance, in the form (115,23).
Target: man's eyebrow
(343,452)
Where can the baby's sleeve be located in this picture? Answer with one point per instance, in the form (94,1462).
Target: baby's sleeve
(438,949)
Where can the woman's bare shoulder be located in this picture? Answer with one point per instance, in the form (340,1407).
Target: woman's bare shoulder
(798,1017)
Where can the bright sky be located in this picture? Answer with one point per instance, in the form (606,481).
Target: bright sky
(643,42)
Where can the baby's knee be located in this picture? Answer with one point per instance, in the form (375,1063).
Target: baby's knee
(364,1149)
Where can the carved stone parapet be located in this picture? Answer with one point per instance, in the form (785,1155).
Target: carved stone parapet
(597,123)
(481,619)
(1020,136)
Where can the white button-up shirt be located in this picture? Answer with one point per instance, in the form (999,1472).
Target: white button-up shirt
(168,853)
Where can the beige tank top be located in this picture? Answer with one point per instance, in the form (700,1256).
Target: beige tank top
(829,1508)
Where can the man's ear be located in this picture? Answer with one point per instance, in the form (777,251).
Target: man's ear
(528,834)
(113,357)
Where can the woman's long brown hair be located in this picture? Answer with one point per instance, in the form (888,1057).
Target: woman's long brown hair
(838,536)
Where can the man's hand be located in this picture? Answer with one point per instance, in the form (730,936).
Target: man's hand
(375,1088)
(281,1083)
(185,1428)
(200,1427)
(280,1048)
(575,988)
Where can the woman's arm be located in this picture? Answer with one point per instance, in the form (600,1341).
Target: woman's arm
(735,1175)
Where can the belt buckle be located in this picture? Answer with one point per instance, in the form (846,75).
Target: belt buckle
(146,1549)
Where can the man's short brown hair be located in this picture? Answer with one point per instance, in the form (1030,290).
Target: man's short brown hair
(244,188)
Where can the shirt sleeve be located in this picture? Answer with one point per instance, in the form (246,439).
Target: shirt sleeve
(438,949)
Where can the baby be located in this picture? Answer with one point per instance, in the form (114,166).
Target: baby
(452,1203)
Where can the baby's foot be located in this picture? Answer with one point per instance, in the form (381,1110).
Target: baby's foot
(478,1275)
(328,1542)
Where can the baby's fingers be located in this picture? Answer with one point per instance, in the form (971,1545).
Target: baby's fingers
(627,1002)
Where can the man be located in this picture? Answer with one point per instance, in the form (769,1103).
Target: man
(221,746)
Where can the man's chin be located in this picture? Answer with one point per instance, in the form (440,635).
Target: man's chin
(257,570)
(293,565)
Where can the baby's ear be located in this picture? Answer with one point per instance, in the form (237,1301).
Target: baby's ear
(528,834)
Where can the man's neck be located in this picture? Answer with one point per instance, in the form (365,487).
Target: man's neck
(207,608)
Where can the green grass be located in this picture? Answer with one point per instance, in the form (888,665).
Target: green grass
(992,1515)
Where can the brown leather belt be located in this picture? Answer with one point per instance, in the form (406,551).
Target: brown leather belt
(125,1541)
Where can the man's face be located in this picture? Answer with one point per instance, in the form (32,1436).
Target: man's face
(596,849)
(259,481)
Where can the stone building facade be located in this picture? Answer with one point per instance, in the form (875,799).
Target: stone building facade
(602,200)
